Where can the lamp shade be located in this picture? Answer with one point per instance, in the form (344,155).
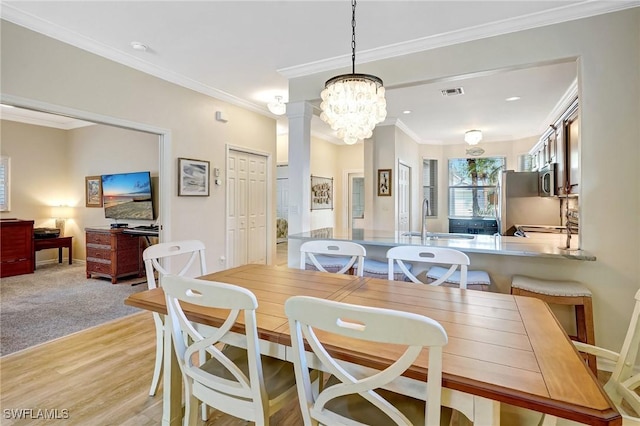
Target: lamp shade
(61,212)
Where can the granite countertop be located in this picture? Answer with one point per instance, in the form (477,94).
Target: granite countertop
(534,245)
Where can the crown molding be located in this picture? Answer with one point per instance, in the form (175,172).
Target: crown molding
(42,120)
(561,106)
(9,13)
(549,17)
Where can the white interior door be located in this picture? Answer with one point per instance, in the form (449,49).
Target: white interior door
(246,208)
(257,209)
(404,198)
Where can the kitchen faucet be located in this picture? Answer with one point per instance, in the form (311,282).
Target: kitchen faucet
(425,213)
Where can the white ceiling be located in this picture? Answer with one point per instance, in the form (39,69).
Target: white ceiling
(244,52)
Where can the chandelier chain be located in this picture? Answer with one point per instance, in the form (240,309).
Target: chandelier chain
(352,104)
(353,36)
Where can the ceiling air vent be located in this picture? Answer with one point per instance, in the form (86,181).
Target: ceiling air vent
(453,92)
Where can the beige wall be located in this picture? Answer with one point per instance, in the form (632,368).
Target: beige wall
(49,167)
(43,70)
(607,48)
(329,160)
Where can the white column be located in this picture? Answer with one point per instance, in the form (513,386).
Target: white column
(299,115)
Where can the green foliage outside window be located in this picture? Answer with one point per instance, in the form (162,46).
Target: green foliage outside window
(473,186)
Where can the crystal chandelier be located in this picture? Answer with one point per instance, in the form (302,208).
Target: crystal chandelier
(352,104)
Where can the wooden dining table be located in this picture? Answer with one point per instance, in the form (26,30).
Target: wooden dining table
(502,348)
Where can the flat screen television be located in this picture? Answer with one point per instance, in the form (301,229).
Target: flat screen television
(127,196)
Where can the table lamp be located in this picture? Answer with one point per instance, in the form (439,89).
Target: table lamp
(61,214)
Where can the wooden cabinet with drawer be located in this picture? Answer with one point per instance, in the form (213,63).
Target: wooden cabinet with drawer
(17,255)
(113,254)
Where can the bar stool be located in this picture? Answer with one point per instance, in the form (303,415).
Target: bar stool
(561,292)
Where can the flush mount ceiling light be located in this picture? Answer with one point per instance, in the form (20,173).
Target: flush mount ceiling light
(472,137)
(139,46)
(277,107)
(352,104)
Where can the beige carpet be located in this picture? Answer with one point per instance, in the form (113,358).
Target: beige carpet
(58,300)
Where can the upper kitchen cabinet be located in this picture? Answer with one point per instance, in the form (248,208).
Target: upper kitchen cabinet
(567,151)
(560,145)
(572,143)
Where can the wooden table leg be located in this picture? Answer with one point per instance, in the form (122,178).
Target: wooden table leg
(171,383)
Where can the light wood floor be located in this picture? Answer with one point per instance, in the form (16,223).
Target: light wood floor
(281,254)
(101,376)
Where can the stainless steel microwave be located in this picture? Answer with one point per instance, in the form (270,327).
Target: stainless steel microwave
(547,181)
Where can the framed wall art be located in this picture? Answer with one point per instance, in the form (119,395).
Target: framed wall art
(321,193)
(384,182)
(93,191)
(193,177)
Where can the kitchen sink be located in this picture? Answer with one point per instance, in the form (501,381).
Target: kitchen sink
(440,236)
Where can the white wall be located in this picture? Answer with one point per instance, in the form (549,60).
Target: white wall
(329,160)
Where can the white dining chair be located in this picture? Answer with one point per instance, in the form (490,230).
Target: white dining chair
(350,398)
(236,380)
(186,253)
(332,256)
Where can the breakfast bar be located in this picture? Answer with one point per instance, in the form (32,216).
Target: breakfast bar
(534,245)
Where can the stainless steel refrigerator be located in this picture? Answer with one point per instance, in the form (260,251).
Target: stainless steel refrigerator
(519,203)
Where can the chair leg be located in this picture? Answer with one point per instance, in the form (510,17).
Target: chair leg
(205,409)
(157,371)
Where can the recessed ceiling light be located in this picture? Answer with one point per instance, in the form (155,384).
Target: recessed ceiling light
(406,111)
(139,46)
(513,98)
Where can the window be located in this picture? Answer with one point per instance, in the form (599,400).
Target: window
(430,185)
(5,163)
(473,186)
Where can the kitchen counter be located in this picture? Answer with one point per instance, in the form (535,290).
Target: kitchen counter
(541,245)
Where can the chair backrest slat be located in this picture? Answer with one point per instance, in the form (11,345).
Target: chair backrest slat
(187,251)
(455,259)
(308,315)
(345,249)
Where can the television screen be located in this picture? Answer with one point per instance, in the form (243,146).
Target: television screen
(127,196)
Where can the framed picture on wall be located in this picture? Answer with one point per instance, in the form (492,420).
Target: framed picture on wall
(321,193)
(93,191)
(193,177)
(384,182)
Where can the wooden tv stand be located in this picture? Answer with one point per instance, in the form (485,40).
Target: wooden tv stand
(113,254)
